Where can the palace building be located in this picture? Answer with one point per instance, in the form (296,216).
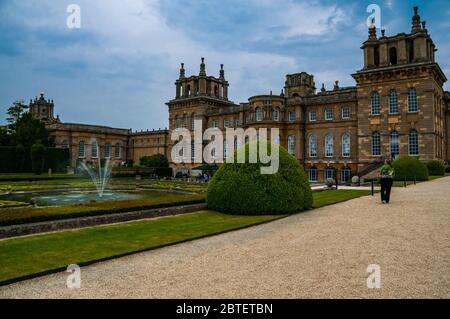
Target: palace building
(398,106)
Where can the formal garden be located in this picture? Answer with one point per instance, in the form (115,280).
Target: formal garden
(37,194)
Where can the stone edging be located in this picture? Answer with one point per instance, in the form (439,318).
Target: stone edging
(81,222)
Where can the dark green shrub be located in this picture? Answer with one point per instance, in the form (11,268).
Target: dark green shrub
(37,158)
(447,169)
(7,159)
(57,159)
(157,160)
(242,189)
(410,168)
(436,168)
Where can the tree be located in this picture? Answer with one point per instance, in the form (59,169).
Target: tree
(5,138)
(29,130)
(37,157)
(157,160)
(20,157)
(15,113)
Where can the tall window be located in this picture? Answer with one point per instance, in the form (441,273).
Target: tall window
(185,121)
(81,149)
(346,174)
(413,143)
(312,116)
(376,109)
(330,173)
(291,145)
(393,56)
(329,145)
(226,123)
(107,150)
(276,114)
(393,102)
(346,145)
(236,143)
(259,114)
(345,113)
(237,122)
(117,151)
(328,114)
(394,144)
(193,151)
(177,122)
(225,149)
(291,116)
(412,101)
(193,118)
(215,123)
(313,174)
(65,144)
(313,146)
(94,149)
(376,144)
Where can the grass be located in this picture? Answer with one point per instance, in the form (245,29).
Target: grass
(29,255)
(155,200)
(11,203)
(336,196)
(35,254)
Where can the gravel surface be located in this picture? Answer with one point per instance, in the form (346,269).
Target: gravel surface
(319,254)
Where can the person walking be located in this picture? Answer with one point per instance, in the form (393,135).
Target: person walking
(387,179)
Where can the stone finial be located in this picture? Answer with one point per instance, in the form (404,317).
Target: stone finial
(424,25)
(383,32)
(336,85)
(203,68)
(372,33)
(222,72)
(416,20)
(282,92)
(182,71)
(323,89)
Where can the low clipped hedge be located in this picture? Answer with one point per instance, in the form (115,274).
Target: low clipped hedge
(241,189)
(436,168)
(410,168)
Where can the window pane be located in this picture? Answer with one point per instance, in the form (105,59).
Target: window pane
(376,148)
(376,103)
(329,145)
(413,143)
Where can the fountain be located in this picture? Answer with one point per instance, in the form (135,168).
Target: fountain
(100,177)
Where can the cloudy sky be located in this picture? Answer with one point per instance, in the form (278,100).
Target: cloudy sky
(119,68)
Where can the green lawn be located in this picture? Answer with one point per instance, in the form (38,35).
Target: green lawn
(29,255)
(11,203)
(10,216)
(336,196)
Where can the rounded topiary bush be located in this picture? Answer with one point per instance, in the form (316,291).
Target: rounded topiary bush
(241,189)
(410,168)
(436,168)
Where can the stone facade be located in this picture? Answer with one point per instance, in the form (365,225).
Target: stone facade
(398,106)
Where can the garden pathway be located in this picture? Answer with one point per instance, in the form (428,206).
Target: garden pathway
(322,253)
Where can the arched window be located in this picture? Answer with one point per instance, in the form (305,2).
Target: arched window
(376,109)
(291,145)
(312,172)
(393,102)
(81,150)
(193,118)
(236,143)
(393,56)
(216,91)
(394,144)
(193,151)
(329,145)
(117,151)
(346,174)
(247,139)
(376,144)
(259,114)
(177,122)
(188,91)
(330,172)
(413,143)
(346,145)
(313,146)
(107,150)
(412,101)
(65,144)
(276,114)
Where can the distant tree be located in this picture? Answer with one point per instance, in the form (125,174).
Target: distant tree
(158,160)
(5,138)
(37,157)
(30,130)
(15,113)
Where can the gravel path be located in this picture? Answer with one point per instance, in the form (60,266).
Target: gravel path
(319,254)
